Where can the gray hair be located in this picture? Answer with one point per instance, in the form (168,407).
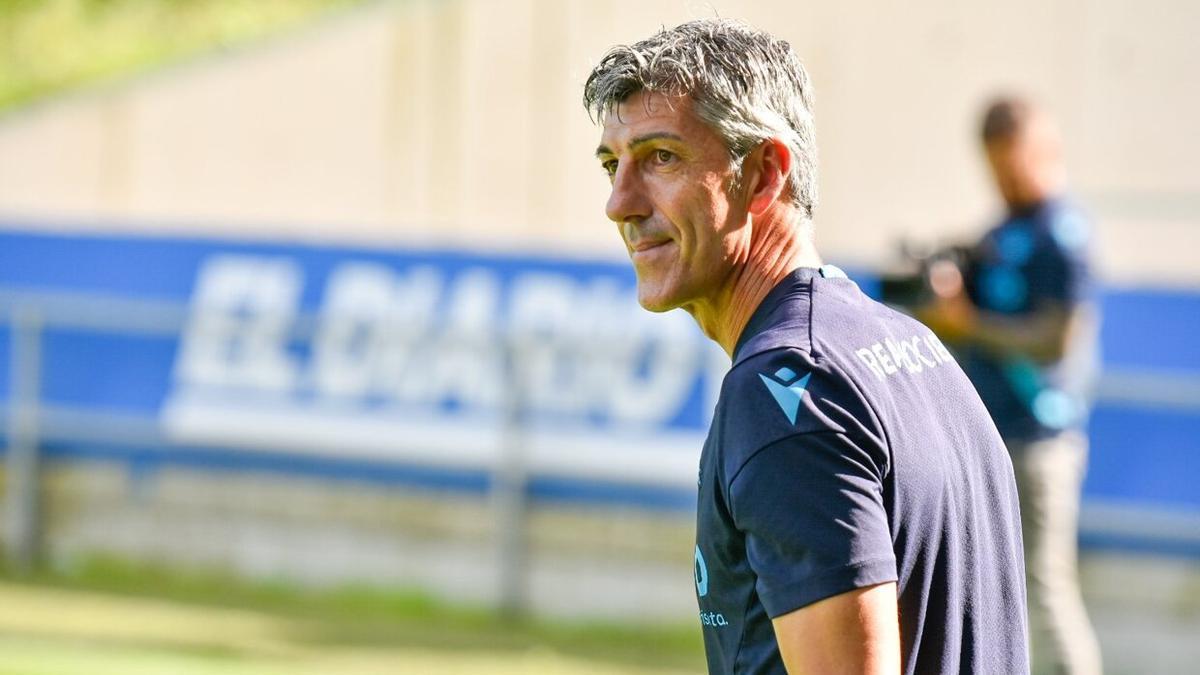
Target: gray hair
(745,84)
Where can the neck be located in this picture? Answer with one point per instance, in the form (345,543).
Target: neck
(774,253)
(1031,200)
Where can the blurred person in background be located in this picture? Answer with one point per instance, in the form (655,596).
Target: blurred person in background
(857,510)
(1021,315)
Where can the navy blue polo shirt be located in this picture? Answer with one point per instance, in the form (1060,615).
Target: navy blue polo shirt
(848,449)
(1037,257)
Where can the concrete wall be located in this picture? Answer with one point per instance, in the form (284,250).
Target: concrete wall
(610,563)
(459,121)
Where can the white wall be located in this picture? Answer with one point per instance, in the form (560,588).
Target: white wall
(459,122)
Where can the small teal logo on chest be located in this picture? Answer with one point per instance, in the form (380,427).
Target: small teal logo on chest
(787,389)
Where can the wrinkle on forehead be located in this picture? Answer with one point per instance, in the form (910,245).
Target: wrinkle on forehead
(666,109)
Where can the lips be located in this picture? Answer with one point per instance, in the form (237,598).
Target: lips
(643,246)
(650,251)
(644,237)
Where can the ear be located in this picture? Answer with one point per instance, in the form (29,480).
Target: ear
(768,168)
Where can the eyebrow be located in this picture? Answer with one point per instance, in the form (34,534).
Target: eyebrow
(641,140)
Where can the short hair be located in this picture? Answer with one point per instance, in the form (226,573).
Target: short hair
(1004,118)
(747,85)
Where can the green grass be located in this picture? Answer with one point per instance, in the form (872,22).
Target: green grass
(49,46)
(199,620)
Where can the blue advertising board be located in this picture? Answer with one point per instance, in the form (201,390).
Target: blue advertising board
(399,365)
(368,355)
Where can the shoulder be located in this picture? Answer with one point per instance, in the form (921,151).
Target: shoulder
(1060,228)
(870,343)
(784,392)
(1067,222)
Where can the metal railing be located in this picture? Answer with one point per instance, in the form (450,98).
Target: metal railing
(30,423)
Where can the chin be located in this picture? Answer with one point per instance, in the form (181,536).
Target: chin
(656,307)
(657,299)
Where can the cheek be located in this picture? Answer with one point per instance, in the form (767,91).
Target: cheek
(697,209)
(706,208)
(720,221)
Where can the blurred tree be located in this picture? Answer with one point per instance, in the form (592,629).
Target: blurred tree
(49,46)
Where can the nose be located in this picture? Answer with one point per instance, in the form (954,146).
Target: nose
(628,200)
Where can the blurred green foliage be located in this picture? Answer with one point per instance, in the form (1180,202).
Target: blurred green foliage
(48,46)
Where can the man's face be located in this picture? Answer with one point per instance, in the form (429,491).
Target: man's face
(672,199)
(1027,166)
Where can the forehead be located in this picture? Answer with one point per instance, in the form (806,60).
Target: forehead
(643,113)
(1036,130)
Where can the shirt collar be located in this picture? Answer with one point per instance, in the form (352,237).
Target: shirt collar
(766,315)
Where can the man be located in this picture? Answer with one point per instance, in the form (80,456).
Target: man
(857,509)
(1025,324)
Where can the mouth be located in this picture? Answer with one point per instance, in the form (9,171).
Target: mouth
(643,246)
(647,249)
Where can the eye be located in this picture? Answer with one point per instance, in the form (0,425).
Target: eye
(610,167)
(664,156)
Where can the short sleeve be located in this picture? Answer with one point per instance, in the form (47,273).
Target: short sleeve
(811,508)
(1060,272)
